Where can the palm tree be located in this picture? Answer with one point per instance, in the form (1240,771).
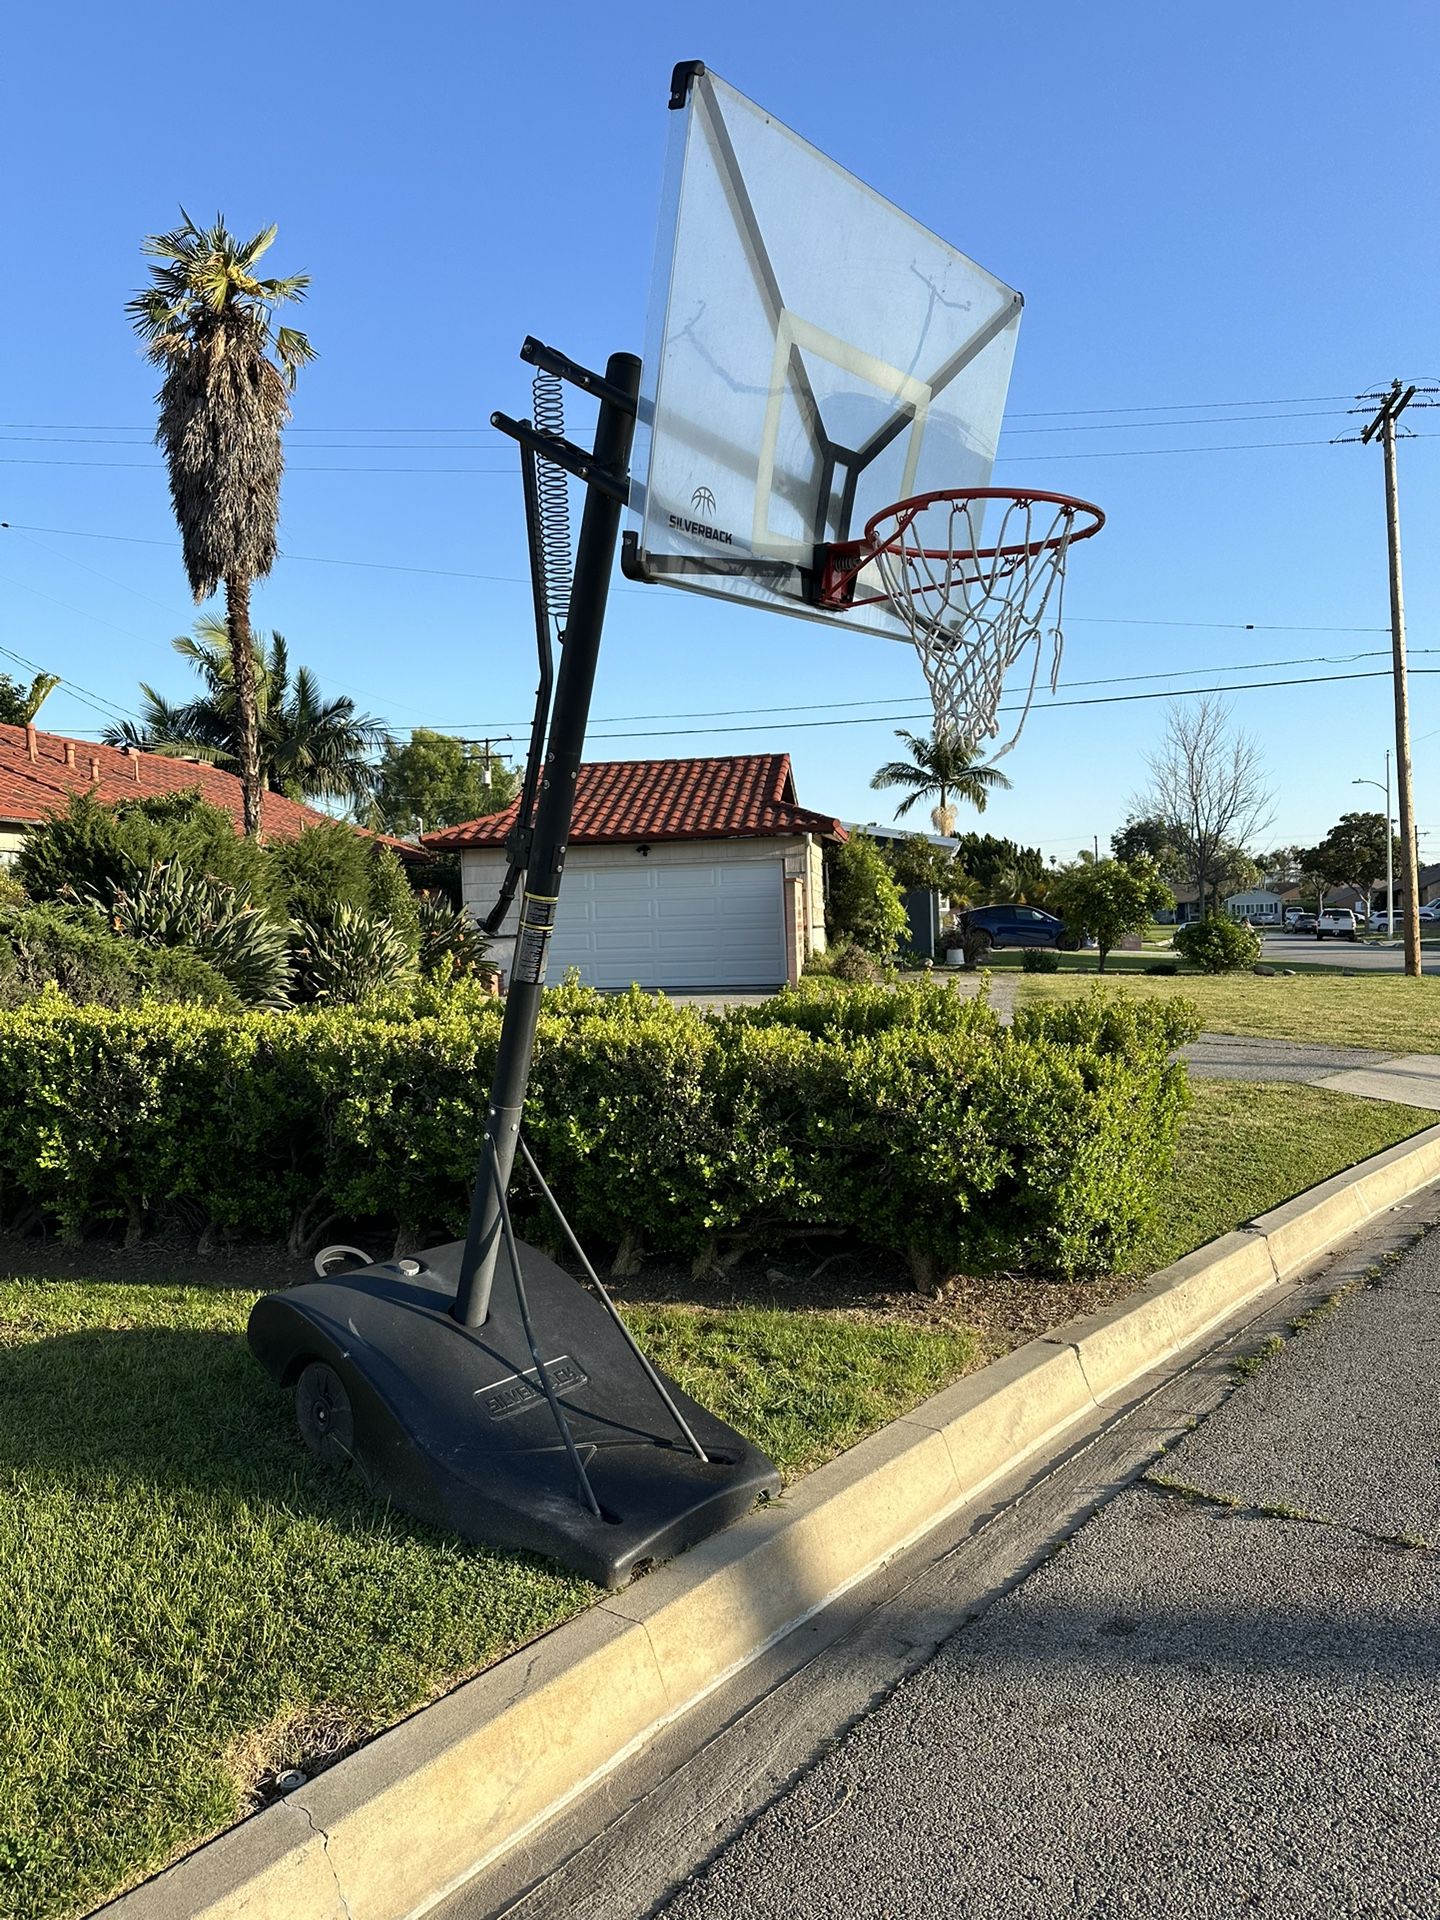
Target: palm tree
(939,768)
(309,747)
(223,402)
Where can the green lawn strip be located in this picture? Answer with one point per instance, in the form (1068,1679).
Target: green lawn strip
(802,1386)
(188,1603)
(1245,1148)
(1386,1011)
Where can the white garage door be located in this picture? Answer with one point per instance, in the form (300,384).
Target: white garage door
(720,925)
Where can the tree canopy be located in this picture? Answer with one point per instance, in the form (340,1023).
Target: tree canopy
(434,780)
(1103,900)
(1352,854)
(310,747)
(864,901)
(19,704)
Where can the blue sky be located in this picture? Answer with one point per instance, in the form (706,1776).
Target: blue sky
(1222,219)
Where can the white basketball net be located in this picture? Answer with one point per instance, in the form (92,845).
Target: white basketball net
(975,598)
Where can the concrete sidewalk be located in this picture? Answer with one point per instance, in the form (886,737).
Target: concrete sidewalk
(1412,1079)
(1222,1696)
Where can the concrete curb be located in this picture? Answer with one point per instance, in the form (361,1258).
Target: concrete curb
(391,1830)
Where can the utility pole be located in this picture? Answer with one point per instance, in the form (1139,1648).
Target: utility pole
(1392,405)
(490,740)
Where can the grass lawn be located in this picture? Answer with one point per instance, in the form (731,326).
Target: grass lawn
(1245,1148)
(189,1604)
(1382,1010)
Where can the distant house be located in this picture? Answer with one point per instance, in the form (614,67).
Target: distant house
(1259,905)
(39,772)
(1185,909)
(699,874)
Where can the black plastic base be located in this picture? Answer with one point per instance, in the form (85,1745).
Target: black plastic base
(451,1422)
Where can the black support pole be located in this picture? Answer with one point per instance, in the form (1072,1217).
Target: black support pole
(594,561)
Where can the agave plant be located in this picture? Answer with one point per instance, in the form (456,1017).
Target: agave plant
(348,956)
(448,932)
(166,905)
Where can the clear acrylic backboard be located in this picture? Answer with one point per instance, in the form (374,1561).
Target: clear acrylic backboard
(813,355)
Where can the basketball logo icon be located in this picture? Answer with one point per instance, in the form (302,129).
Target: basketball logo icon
(703,500)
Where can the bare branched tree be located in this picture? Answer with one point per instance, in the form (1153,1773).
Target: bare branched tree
(1208,787)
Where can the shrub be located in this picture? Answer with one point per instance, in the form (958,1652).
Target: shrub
(47,947)
(830,1007)
(845,959)
(1162,966)
(168,906)
(909,1121)
(1039,960)
(391,896)
(345,957)
(1218,945)
(91,848)
(323,868)
(864,901)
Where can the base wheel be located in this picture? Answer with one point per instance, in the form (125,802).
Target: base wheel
(324,1416)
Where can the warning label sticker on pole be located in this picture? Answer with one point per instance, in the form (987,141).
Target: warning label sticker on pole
(532,942)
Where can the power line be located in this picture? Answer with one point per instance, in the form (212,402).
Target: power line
(328,446)
(87,698)
(1138,426)
(1093,700)
(1041,413)
(519,580)
(1004,459)
(149,466)
(1137,453)
(488,443)
(1113,680)
(1174,406)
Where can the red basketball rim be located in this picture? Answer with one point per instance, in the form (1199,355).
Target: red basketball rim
(902,516)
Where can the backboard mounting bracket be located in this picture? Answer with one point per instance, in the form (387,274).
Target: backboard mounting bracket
(684,76)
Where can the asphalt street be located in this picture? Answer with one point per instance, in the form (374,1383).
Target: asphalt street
(1364,956)
(1221,1696)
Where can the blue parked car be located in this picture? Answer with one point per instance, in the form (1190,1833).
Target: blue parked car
(1011,925)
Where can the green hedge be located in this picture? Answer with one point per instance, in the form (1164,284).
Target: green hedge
(908,1121)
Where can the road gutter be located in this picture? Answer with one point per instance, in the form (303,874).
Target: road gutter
(393,1829)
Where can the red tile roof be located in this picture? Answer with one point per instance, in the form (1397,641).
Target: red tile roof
(39,771)
(743,795)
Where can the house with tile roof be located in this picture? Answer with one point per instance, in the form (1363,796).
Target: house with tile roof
(40,771)
(691,875)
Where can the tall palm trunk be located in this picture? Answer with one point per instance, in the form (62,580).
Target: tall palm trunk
(247,712)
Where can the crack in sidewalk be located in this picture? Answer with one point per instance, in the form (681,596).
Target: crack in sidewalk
(1277,1510)
(324,1839)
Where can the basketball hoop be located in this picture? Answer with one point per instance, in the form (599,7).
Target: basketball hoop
(972,610)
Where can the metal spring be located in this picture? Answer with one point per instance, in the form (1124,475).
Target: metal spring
(548,410)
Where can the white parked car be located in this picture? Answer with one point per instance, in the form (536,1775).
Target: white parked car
(1432,912)
(1338,922)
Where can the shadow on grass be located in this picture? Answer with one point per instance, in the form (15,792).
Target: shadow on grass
(175,1409)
